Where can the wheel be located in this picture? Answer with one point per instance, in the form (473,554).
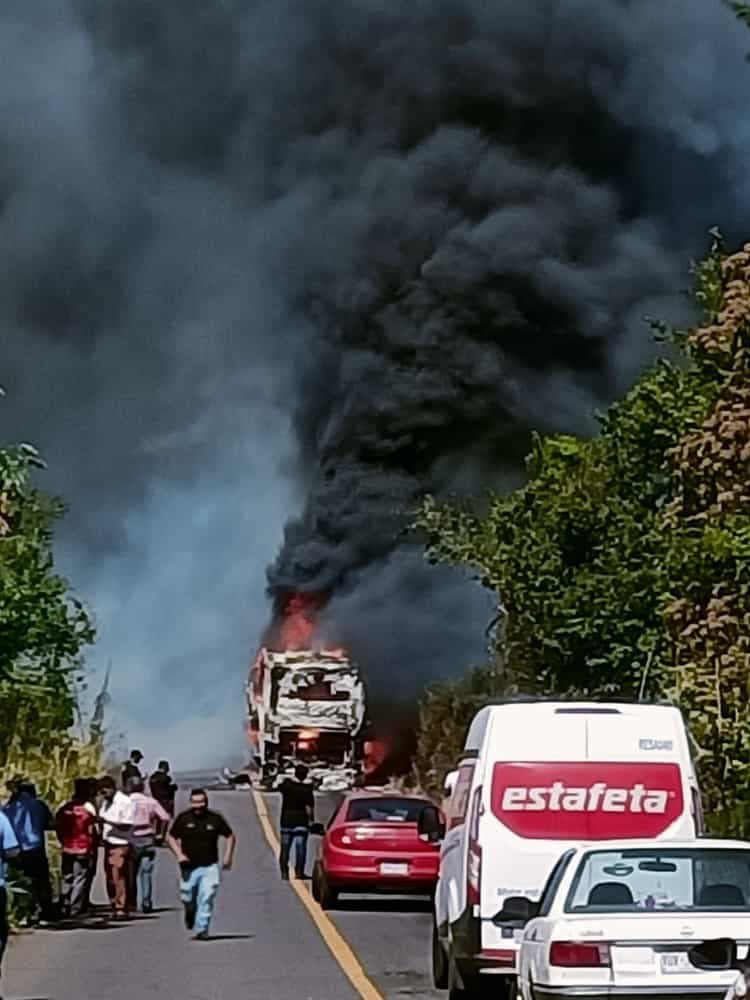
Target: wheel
(328,896)
(476,987)
(439,960)
(455,984)
(316,882)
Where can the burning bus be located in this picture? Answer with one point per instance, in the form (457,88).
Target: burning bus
(306,706)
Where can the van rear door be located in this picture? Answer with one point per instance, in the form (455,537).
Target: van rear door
(557,775)
(524,739)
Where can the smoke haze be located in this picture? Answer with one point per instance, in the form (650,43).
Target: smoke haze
(272,269)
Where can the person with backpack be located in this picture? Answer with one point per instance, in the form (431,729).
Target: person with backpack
(77,827)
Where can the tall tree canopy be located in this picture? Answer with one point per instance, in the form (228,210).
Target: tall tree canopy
(623,565)
(42,628)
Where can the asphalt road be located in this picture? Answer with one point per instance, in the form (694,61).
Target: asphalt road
(264,943)
(390,935)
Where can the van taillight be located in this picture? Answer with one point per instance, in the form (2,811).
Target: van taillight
(579,954)
(474,858)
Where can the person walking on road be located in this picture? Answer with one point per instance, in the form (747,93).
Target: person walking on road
(92,794)
(297,813)
(130,768)
(194,841)
(76,825)
(148,814)
(9,848)
(31,818)
(163,788)
(117,814)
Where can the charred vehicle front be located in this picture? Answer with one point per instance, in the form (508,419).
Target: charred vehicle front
(306,706)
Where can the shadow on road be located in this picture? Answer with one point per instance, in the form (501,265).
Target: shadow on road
(384,904)
(101,919)
(228,937)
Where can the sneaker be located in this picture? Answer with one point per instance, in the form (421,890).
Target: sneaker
(285,876)
(201,936)
(147,908)
(190,909)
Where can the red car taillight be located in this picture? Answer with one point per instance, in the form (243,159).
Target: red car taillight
(582,955)
(340,838)
(474,858)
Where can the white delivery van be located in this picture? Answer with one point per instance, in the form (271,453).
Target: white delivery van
(535,778)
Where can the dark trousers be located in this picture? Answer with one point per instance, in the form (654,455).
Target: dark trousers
(93,865)
(4,931)
(76,874)
(35,866)
(297,836)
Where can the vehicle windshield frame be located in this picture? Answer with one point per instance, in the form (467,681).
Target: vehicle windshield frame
(654,852)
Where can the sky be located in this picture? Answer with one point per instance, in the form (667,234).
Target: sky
(272,270)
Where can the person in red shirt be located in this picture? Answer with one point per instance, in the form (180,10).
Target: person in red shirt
(76,825)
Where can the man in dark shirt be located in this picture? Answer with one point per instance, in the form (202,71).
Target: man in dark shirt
(194,841)
(297,812)
(163,789)
(130,768)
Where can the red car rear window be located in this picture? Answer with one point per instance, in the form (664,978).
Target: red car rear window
(384,810)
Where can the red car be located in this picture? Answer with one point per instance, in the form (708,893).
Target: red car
(372,845)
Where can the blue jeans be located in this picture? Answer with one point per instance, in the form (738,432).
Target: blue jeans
(144,859)
(296,835)
(199,887)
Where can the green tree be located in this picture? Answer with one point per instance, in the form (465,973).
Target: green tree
(42,628)
(622,563)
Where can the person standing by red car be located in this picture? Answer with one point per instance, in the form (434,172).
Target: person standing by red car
(76,827)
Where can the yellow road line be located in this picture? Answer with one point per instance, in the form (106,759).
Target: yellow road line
(339,948)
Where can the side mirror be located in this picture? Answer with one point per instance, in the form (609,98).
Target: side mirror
(431,825)
(516,910)
(449,785)
(317,829)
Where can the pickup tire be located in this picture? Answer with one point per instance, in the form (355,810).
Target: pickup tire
(439,960)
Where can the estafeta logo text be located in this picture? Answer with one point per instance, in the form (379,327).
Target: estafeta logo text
(597,797)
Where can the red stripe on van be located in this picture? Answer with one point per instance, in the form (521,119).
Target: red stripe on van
(587,800)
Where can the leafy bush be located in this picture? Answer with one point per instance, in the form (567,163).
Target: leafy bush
(43,631)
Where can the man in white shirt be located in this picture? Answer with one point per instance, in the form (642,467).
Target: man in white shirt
(118,816)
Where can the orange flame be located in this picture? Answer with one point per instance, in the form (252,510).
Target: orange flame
(297,622)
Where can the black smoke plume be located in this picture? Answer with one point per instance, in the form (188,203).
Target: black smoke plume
(293,260)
